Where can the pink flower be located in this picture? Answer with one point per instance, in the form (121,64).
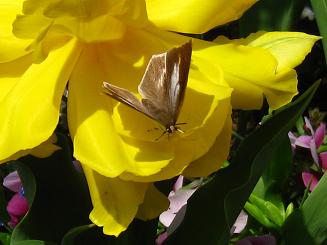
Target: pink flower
(17,207)
(312,142)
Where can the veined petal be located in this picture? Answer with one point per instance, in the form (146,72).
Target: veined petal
(289,48)
(251,72)
(30,110)
(153,205)
(215,157)
(11,46)
(195,16)
(115,202)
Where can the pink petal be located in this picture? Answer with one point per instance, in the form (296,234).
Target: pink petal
(177,201)
(313,150)
(303,141)
(14,220)
(307,177)
(308,125)
(161,238)
(323,160)
(12,182)
(320,134)
(179,183)
(240,222)
(292,138)
(167,217)
(18,205)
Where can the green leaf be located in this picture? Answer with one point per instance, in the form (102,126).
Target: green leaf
(271,15)
(310,222)
(57,194)
(268,210)
(257,214)
(213,209)
(5,238)
(320,10)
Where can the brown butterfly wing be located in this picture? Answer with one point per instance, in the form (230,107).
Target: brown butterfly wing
(124,96)
(164,83)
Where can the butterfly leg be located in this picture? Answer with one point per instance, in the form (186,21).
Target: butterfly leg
(163,133)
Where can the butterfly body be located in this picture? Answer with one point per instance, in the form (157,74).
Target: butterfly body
(162,87)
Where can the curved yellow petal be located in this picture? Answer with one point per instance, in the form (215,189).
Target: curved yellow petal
(30,110)
(289,48)
(115,202)
(195,16)
(11,47)
(215,157)
(153,205)
(251,72)
(45,149)
(276,80)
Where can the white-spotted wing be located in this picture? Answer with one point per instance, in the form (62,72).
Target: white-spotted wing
(162,87)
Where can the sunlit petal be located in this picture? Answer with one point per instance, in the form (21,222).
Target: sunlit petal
(252,73)
(115,202)
(289,48)
(195,16)
(30,110)
(11,46)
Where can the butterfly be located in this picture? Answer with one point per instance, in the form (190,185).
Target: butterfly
(162,87)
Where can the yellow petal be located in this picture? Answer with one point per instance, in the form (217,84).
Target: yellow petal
(289,48)
(30,110)
(11,47)
(115,202)
(153,205)
(215,157)
(11,73)
(195,16)
(43,150)
(251,72)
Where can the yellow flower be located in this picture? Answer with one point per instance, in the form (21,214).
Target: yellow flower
(46,43)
